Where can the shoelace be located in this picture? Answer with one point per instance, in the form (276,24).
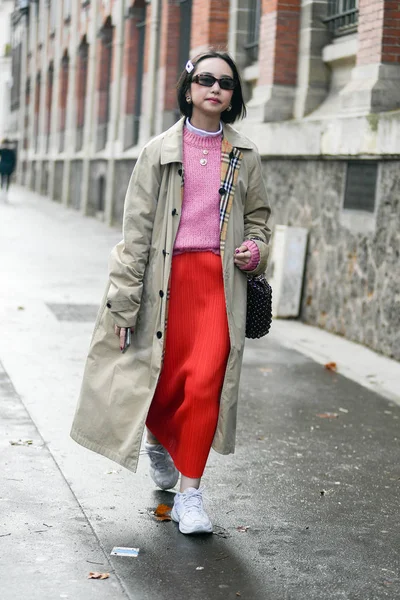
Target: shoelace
(194,500)
(159,463)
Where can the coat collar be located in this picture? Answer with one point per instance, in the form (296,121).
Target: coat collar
(171,147)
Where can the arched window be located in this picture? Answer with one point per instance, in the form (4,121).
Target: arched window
(134,62)
(104,81)
(64,76)
(81,88)
(253,30)
(49,101)
(37,111)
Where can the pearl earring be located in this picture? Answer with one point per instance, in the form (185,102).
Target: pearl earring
(188,99)
(229,107)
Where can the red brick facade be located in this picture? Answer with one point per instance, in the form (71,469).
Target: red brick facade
(152,42)
(379,32)
(210,23)
(279,42)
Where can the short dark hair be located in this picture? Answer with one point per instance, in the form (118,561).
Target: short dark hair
(238,110)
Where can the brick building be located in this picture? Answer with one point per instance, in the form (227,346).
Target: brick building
(95,79)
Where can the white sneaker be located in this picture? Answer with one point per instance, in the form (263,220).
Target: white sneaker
(162,469)
(188,511)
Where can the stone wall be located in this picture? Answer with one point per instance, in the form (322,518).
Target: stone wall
(58,180)
(123,172)
(75,184)
(352,277)
(97,187)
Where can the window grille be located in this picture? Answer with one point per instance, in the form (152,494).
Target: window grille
(253,30)
(342,16)
(360,189)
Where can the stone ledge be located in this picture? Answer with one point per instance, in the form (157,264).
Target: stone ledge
(370,135)
(345,50)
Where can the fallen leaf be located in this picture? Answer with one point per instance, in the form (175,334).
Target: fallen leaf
(243,528)
(327,415)
(95,575)
(238,594)
(162,512)
(22,443)
(331,366)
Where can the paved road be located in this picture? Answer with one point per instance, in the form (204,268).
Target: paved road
(317,496)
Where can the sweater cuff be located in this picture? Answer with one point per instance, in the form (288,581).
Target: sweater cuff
(255,256)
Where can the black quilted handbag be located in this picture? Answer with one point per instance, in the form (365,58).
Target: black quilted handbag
(259,307)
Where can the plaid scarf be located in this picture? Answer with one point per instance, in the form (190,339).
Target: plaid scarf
(231,159)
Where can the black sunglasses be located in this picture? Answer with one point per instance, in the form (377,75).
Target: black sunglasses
(225,83)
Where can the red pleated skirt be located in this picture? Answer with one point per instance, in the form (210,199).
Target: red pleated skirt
(184,412)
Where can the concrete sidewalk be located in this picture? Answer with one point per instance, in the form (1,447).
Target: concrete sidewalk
(315,478)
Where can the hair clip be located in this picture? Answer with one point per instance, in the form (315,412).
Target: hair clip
(189,66)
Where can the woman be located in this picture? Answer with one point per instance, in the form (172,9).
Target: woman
(195,223)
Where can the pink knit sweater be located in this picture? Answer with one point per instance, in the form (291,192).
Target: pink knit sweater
(199,228)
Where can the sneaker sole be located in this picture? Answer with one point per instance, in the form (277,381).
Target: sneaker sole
(196,530)
(169,486)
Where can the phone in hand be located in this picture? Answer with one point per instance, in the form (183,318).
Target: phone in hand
(127,340)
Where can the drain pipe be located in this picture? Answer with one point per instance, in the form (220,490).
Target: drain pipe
(153,63)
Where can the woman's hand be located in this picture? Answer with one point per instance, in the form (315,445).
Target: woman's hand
(242,256)
(121,333)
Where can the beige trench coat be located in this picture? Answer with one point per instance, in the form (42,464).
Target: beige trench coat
(117,388)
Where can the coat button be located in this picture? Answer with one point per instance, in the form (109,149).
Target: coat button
(108,304)
(159,334)
(161,294)
(232,154)
(174,212)
(221,191)
(180,172)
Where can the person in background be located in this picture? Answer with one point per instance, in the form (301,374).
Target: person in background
(8,161)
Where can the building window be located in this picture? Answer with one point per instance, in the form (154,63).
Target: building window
(104,82)
(16,55)
(37,112)
(81,87)
(185,26)
(134,63)
(342,16)
(49,102)
(26,117)
(64,77)
(360,191)
(253,30)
